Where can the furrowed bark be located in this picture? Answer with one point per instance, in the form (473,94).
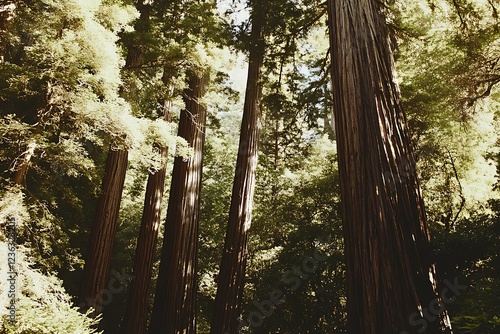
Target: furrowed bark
(232,271)
(96,270)
(390,275)
(136,314)
(174,307)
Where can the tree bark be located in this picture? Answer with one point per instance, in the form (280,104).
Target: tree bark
(103,233)
(135,50)
(136,314)
(137,308)
(232,271)
(390,274)
(96,268)
(175,300)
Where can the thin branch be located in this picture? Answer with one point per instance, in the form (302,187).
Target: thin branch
(462,198)
(463,24)
(494,9)
(486,92)
(308,24)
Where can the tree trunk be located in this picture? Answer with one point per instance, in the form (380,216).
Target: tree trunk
(232,271)
(103,233)
(390,275)
(142,25)
(136,314)
(174,306)
(135,320)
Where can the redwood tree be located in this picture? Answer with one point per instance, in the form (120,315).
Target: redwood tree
(390,274)
(96,268)
(232,271)
(98,258)
(136,314)
(174,306)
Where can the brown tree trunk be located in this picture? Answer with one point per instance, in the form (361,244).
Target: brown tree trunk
(137,308)
(135,320)
(96,269)
(142,25)
(136,314)
(232,271)
(174,306)
(103,234)
(390,275)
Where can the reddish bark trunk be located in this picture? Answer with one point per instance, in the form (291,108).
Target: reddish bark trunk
(137,309)
(175,300)
(385,229)
(96,269)
(136,315)
(232,271)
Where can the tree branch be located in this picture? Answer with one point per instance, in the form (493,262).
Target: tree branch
(462,198)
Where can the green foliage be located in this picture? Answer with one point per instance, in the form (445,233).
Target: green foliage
(42,305)
(447,133)
(296,218)
(470,252)
(61,75)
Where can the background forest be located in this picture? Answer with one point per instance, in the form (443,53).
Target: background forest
(82,78)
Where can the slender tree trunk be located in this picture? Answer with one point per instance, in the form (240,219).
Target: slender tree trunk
(103,233)
(98,259)
(174,306)
(232,271)
(135,320)
(136,314)
(142,25)
(390,275)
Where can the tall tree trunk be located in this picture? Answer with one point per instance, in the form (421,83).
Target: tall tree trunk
(98,258)
(142,26)
(103,233)
(135,320)
(174,306)
(232,271)
(390,276)
(136,314)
